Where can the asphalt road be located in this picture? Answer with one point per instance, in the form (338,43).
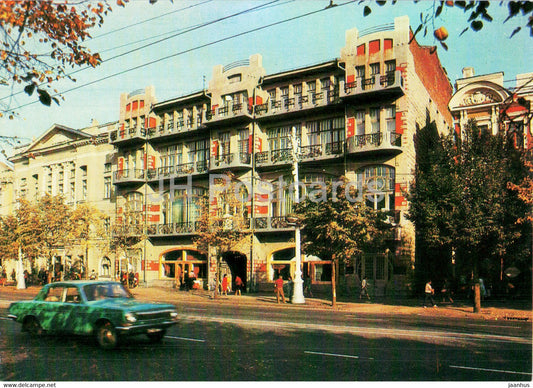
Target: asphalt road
(250,343)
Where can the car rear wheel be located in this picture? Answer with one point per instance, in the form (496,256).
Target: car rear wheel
(157,336)
(31,325)
(107,336)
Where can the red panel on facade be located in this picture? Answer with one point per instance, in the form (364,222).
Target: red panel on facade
(120,164)
(214,150)
(135,105)
(258,145)
(258,100)
(399,201)
(153,218)
(153,266)
(128,107)
(373,47)
(154,208)
(387,44)
(399,122)
(151,162)
(350,79)
(361,50)
(141,104)
(350,127)
(121,131)
(261,209)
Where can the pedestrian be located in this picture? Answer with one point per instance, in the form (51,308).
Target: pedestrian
(92,276)
(307,284)
(429,291)
(446,291)
(290,287)
(278,289)
(225,285)
(364,289)
(238,285)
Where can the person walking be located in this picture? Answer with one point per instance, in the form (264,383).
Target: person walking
(278,289)
(429,291)
(364,289)
(446,291)
(225,285)
(238,285)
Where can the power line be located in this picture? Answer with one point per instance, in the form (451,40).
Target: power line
(191,50)
(178,33)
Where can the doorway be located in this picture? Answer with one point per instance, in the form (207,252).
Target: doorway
(234,264)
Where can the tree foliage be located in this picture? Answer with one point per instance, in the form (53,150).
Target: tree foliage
(461,201)
(42,39)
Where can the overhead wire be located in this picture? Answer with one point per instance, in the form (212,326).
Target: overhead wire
(256,29)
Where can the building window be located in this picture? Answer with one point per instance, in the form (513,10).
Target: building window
(377,185)
(107,187)
(390,66)
(360,72)
(374,68)
(374,120)
(107,168)
(390,118)
(360,121)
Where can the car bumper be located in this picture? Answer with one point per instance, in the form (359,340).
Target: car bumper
(145,328)
(12,316)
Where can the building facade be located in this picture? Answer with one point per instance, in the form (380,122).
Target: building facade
(77,165)
(494,105)
(353,116)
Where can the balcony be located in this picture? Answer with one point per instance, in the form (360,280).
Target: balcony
(273,158)
(130,176)
(131,135)
(179,170)
(232,160)
(388,84)
(266,224)
(231,112)
(322,151)
(172,229)
(375,142)
(124,231)
(298,104)
(180,126)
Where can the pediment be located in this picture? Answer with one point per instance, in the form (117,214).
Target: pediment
(478,94)
(57,135)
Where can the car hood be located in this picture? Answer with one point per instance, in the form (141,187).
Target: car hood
(132,305)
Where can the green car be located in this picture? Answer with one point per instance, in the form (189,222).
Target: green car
(103,309)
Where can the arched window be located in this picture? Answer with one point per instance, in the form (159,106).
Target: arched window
(377,186)
(105,268)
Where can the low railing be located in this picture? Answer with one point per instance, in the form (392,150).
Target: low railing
(128,175)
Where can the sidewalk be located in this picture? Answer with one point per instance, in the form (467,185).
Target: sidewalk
(490,310)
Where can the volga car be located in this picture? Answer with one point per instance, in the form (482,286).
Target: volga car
(103,309)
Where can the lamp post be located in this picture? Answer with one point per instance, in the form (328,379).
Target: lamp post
(298,293)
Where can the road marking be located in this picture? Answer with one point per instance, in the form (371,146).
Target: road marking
(490,370)
(185,339)
(335,355)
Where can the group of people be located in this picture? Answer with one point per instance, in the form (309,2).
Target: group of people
(226,283)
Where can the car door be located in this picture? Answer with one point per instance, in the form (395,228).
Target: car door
(73,311)
(49,314)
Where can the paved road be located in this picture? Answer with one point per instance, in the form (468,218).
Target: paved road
(226,341)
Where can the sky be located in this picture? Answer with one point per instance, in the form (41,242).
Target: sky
(204,33)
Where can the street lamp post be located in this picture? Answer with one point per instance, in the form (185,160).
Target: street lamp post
(298,293)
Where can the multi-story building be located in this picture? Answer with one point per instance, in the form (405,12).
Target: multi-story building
(354,116)
(494,105)
(77,165)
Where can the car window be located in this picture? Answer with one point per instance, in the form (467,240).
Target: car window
(54,294)
(72,295)
(105,291)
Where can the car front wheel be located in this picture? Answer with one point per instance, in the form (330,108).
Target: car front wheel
(107,336)
(31,325)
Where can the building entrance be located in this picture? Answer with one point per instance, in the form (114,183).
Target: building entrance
(234,264)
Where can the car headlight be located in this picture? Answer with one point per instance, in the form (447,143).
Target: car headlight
(174,314)
(130,317)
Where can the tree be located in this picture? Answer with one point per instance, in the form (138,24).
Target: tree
(223,222)
(338,228)
(57,29)
(54,218)
(21,230)
(461,200)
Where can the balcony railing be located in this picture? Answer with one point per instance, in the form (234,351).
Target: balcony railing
(374,141)
(281,156)
(272,223)
(127,134)
(179,170)
(171,229)
(239,159)
(376,82)
(129,175)
(231,110)
(298,102)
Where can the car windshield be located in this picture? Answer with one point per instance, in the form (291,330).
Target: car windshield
(106,291)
